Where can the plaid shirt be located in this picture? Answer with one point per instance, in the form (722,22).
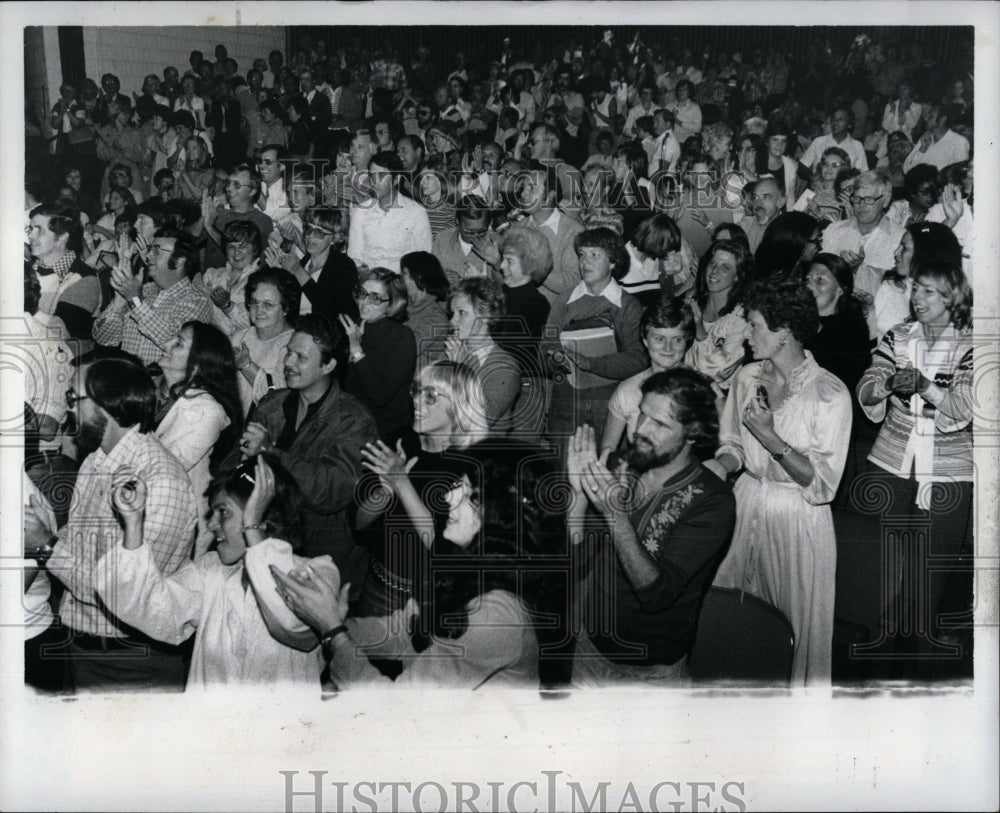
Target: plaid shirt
(92,529)
(145,330)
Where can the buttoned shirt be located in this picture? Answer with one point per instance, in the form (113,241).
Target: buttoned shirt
(949,149)
(144,331)
(855,151)
(92,528)
(380,237)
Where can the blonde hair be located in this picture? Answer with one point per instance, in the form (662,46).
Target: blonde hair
(467,403)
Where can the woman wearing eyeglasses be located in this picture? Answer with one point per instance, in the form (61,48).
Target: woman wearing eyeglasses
(241,241)
(382,351)
(326,274)
(410,476)
(272,300)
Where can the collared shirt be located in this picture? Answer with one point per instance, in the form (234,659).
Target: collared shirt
(380,237)
(552,221)
(145,330)
(665,150)
(879,245)
(273,201)
(92,529)
(949,149)
(54,280)
(237,318)
(612,292)
(49,371)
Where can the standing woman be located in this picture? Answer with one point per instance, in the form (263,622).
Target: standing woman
(383,351)
(721,329)
(300,145)
(272,300)
(242,243)
(630,189)
(786,426)
(201,417)
(417,468)
(920,382)
(477,306)
(923,244)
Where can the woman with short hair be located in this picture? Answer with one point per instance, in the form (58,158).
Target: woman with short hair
(786,427)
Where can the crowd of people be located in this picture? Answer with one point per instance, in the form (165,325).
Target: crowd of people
(362,369)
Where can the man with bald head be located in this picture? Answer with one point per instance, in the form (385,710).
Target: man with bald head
(767,201)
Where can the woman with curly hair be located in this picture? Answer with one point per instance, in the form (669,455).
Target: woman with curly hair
(785,428)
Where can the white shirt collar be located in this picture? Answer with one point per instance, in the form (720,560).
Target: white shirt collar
(553,220)
(466,247)
(612,293)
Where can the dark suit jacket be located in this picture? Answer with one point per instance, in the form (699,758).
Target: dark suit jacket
(332,294)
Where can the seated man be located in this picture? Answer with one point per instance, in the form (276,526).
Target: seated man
(143,317)
(653,555)
(115,416)
(316,431)
(456,248)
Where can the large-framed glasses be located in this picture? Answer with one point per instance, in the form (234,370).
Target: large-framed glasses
(156,249)
(868,200)
(426,393)
(369,296)
(73,398)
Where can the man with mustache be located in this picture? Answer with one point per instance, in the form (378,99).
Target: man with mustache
(767,201)
(652,535)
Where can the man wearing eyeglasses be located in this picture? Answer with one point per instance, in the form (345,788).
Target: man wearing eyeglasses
(867,241)
(242,193)
(273,201)
(115,413)
(456,248)
(316,431)
(150,307)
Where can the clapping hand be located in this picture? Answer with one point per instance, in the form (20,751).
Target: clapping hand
(128,497)
(952,203)
(853,258)
(314,595)
(123,281)
(353,330)
(582,451)
(455,349)
(242,356)
(220,296)
(262,494)
(389,465)
(256,439)
(606,491)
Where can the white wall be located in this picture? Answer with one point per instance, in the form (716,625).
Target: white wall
(42,70)
(133,52)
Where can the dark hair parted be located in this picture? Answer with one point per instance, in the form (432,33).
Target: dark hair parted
(289,290)
(694,406)
(62,220)
(122,387)
(608,241)
(787,304)
(326,334)
(283,518)
(744,273)
(426,272)
(669,312)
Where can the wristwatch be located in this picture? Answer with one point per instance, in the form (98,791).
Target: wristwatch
(784,450)
(135,302)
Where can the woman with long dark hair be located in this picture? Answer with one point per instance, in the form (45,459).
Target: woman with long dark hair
(841,344)
(471,622)
(721,329)
(201,412)
(790,241)
(923,244)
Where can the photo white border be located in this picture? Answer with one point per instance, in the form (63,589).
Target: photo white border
(908,750)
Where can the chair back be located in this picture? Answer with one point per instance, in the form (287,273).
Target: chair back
(741,639)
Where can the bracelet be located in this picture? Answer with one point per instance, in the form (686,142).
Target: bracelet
(326,639)
(257,526)
(356,357)
(779,456)
(241,369)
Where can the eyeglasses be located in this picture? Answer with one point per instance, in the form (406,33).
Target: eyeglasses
(311,230)
(832,164)
(428,395)
(865,199)
(369,296)
(238,185)
(265,162)
(156,249)
(263,305)
(73,398)
(473,232)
